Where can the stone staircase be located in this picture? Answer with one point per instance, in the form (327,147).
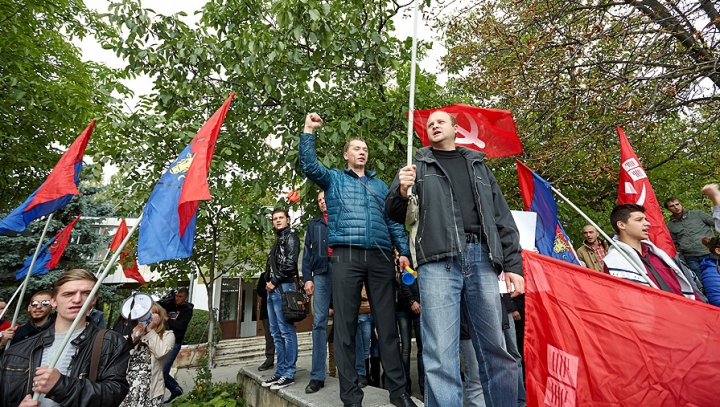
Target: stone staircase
(251,351)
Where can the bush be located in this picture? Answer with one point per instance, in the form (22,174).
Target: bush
(206,393)
(197,328)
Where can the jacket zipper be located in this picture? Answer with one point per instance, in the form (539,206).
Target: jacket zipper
(482,217)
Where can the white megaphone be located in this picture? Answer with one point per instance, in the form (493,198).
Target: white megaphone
(137,307)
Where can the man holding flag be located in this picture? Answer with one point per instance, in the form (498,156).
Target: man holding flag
(466,236)
(24,366)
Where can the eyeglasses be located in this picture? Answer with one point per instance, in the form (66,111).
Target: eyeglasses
(44,303)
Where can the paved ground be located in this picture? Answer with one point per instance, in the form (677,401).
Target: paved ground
(229,373)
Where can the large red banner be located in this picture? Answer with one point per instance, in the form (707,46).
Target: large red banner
(596,340)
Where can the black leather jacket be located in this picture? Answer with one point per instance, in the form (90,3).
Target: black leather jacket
(440,231)
(18,364)
(285,254)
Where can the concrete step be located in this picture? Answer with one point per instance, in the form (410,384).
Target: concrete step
(250,351)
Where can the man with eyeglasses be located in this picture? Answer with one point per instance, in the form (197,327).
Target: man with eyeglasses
(40,319)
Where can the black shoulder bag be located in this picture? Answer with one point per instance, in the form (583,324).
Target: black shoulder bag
(293,302)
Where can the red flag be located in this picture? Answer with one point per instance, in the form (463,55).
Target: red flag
(195,188)
(120,234)
(491,131)
(596,340)
(58,246)
(128,263)
(634,188)
(62,179)
(293,196)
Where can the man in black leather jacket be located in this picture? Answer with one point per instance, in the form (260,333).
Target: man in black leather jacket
(67,384)
(282,268)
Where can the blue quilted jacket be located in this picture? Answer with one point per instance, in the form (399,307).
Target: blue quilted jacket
(711,278)
(356,217)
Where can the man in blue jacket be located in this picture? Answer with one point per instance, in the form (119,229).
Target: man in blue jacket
(317,274)
(362,238)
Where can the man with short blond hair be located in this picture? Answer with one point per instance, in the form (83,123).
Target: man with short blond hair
(68,383)
(466,237)
(362,238)
(593,250)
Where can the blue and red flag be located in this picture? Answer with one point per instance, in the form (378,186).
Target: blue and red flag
(50,253)
(57,190)
(550,237)
(167,229)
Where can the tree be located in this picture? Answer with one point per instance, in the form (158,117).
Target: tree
(571,71)
(48,95)
(283,59)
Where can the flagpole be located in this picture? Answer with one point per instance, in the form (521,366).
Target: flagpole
(83,311)
(411,105)
(29,273)
(97,273)
(7,306)
(643,273)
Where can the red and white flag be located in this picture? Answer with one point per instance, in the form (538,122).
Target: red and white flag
(491,131)
(594,340)
(634,188)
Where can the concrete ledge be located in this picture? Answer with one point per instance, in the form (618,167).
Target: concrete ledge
(295,396)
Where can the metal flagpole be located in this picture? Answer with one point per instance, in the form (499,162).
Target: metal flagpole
(29,273)
(611,241)
(86,306)
(7,306)
(411,106)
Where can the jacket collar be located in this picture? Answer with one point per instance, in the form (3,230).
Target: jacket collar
(368,173)
(425,154)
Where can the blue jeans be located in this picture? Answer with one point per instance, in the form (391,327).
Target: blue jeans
(321,304)
(468,279)
(362,342)
(693,263)
(170,383)
(473,386)
(406,321)
(283,333)
(512,348)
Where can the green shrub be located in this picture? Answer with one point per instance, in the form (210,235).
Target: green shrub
(206,393)
(197,328)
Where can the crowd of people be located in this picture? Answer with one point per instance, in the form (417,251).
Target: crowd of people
(465,245)
(693,273)
(98,367)
(466,304)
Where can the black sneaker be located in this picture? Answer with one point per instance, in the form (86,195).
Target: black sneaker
(282,383)
(269,382)
(314,386)
(362,382)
